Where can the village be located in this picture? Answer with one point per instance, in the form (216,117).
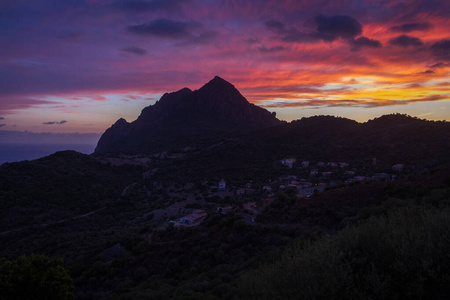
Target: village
(303,178)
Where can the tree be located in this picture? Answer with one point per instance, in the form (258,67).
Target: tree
(35,277)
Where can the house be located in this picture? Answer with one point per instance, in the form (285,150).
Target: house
(343,165)
(240,191)
(359,178)
(288,162)
(306,184)
(305,164)
(222,184)
(267,188)
(326,173)
(244,191)
(321,164)
(398,167)
(332,164)
(381,177)
(314,172)
(224,210)
(349,172)
(248,185)
(194,217)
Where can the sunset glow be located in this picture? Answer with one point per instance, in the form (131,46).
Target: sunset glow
(88,63)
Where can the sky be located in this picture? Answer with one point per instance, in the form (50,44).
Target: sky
(77,66)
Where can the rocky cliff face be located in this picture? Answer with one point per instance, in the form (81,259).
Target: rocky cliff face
(180,118)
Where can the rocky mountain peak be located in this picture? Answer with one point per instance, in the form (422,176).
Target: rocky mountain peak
(187,115)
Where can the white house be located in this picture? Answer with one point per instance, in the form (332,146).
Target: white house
(288,162)
(267,188)
(189,219)
(343,165)
(314,172)
(398,167)
(222,184)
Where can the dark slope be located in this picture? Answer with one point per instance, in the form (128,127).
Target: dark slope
(186,118)
(58,186)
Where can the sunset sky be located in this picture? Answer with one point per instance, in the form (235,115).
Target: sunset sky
(78,66)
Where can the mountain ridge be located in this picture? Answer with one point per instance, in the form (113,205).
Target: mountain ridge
(183,117)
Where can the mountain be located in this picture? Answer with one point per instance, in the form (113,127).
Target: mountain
(186,118)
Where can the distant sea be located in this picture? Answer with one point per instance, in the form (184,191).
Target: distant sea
(17,152)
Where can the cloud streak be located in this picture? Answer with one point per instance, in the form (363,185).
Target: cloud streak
(409,27)
(55,123)
(134,50)
(405,41)
(163,28)
(367,103)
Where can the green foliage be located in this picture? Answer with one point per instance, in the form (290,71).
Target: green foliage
(402,255)
(34,277)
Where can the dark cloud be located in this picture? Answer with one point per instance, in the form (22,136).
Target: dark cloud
(439,65)
(334,27)
(426,72)
(1,125)
(441,49)
(405,41)
(274,25)
(2,118)
(70,35)
(271,49)
(142,6)
(204,37)
(365,42)
(251,41)
(328,29)
(55,123)
(134,50)
(163,28)
(411,27)
(295,36)
(16,103)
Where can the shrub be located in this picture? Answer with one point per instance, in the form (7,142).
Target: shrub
(35,277)
(401,255)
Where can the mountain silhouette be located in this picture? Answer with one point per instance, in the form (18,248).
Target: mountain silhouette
(186,118)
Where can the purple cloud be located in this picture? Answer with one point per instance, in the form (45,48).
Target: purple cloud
(365,42)
(334,27)
(163,28)
(274,25)
(405,41)
(134,50)
(426,72)
(328,29)
(441,49)
(409,27)
(143,6)
(55,123)
(271,49)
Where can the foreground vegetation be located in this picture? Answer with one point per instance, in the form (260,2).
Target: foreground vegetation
(400,255)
